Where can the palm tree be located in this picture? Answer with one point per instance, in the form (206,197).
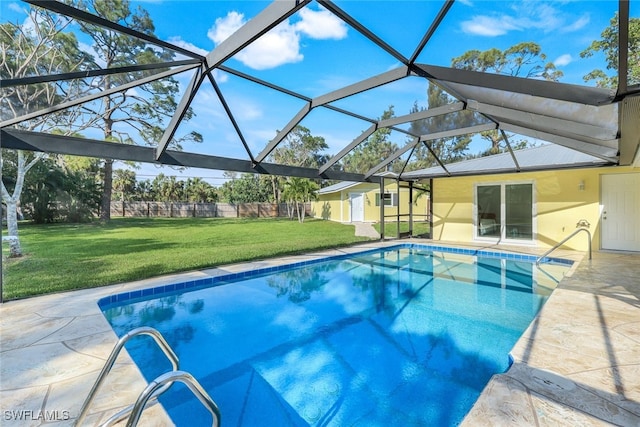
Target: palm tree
(297,192)
(124,183)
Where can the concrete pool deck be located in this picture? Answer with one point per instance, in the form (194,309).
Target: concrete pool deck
(577,364)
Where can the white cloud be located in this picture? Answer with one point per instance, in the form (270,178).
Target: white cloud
(244,109)
(321,24)
(563,60)
(488,26)
(577,25)
(226,26)
(15,7)
(526,15)
(186,45)
(281,45)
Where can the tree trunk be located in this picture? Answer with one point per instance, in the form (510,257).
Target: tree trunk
(12,200)
(290,210)
(12,229)
(107,178)
(300,212)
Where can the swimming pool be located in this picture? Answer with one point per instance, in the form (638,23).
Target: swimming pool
(407,335)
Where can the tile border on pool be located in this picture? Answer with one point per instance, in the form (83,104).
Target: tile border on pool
(116,299)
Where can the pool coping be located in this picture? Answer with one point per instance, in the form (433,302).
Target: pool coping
(53,347)
(177,287)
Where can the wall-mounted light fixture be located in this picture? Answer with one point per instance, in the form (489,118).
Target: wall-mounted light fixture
(581,185)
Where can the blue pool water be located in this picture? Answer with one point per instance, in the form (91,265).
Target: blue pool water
(404,336)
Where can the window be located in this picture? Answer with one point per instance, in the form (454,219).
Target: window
(504,211)
(390,199)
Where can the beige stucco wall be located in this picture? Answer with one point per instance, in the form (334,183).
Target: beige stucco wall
(335,206)
(559,204)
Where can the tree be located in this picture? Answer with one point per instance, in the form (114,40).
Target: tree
(521,60)
(142,111)
(608,44)
(248,188)
(144,191)
(198,190)
(446,149)
(38,47)
(170,189)
(298,148)
(374,150)
(124,183)
(299,191)
(53,192)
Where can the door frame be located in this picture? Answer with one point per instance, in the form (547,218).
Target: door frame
(361,195)
(603,212)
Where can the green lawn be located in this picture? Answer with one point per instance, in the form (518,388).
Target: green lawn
(62,257)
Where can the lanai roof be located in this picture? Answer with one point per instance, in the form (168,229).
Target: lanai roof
(598,122)
(544,157)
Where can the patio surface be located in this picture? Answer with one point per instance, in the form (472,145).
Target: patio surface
(577,364)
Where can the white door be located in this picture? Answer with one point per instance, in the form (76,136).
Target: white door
(356,201)
(621,212)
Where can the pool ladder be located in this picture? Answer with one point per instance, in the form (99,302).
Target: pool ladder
(157,387)
(557,245)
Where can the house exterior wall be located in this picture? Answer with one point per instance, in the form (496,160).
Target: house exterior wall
(336,207)
(559,203)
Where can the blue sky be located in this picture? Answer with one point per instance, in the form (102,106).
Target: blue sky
(313,53)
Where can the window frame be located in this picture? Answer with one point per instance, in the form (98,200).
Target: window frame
(504,235)
(393,198)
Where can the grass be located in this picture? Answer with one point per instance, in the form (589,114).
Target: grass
(391,228)
(63,257)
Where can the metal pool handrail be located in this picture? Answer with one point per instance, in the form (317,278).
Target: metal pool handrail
(557,245)
(165,381)
(144,330)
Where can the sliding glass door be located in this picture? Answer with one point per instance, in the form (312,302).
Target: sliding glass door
(504,211)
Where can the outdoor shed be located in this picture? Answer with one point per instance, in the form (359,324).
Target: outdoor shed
(360,202)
